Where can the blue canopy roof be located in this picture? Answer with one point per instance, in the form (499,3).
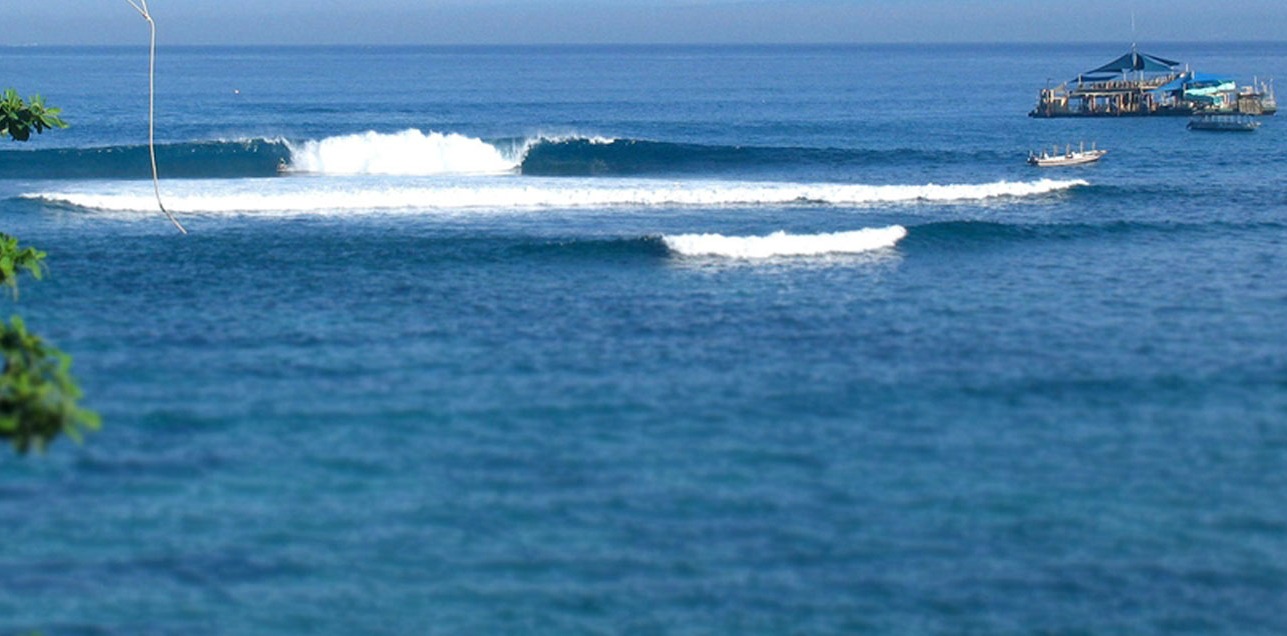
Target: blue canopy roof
(1136,61)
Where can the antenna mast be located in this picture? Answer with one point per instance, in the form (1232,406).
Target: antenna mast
(1133,39)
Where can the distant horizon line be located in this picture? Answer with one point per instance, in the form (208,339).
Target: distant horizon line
(584,45)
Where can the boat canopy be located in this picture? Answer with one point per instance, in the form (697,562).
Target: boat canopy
(1136,61)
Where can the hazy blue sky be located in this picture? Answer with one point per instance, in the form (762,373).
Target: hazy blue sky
(637,21)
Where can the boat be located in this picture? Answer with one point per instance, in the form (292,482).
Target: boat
(1068,157)
(1224,123)
(1143,85)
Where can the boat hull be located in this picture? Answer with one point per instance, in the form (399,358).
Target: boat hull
(1040,113)
(1069,159)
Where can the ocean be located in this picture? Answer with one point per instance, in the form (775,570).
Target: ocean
(647,340)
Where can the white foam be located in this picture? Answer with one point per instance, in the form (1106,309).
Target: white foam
(341,194)
(783,244)
(593,140)
(409,152)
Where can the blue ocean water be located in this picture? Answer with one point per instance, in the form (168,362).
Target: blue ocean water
(647,340)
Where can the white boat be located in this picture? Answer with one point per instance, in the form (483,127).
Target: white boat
(1068,157)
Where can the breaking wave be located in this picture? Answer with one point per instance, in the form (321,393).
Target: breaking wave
(409,152)
(412,152)
(782,244)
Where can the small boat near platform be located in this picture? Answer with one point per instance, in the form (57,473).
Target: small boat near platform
(1068,157)
(1224,123)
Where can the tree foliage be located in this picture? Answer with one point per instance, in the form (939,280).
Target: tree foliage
(38,396)
(18,118)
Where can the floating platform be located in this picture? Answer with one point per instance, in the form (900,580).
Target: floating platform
(1142,85)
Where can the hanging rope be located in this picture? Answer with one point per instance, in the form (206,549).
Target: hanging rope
(141,7)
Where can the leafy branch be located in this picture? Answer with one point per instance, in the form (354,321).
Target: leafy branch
(14,260)
(37,392)
(38,395)
(18,118)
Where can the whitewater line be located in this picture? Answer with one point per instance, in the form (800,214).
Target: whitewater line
(309,194)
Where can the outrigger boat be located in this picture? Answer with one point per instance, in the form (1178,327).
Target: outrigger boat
(1068,157)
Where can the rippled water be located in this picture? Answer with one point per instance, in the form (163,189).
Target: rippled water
(628,340)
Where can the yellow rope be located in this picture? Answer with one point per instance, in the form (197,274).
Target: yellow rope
(141,7)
